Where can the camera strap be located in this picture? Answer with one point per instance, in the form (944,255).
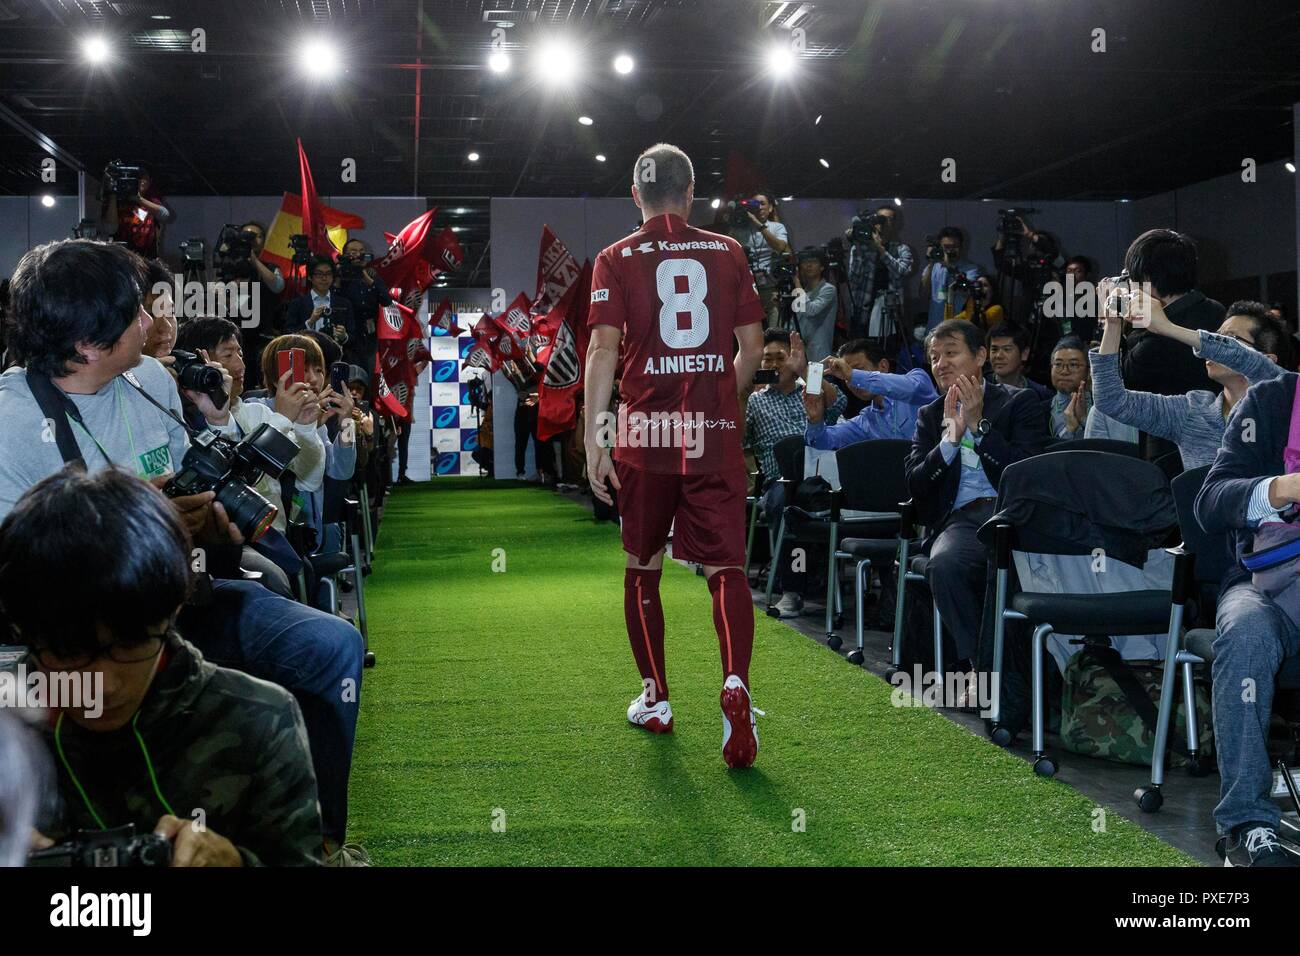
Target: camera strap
(62,412)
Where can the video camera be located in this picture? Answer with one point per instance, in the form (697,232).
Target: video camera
(835,255)
(230,256)
(864,224)
(1010,229)
(121,181)
(215,463)
(96,848)
(739,210)
(963,283)
(350,269)
(301,245)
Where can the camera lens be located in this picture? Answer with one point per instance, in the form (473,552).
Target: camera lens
(251,513)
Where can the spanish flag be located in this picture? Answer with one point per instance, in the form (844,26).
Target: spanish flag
(288,222)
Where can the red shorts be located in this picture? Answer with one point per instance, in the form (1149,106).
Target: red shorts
(709,512)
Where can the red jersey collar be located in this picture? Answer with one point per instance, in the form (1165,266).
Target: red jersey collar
(667,222)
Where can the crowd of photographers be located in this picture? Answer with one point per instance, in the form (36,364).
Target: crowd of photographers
(173,533)
(1197,384)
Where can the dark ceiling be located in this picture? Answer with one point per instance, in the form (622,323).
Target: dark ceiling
(1011,89)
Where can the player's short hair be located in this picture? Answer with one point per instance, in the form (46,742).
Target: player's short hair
(662,175)
(780,336)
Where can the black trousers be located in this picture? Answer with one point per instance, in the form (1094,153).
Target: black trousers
(526,428)
(957,575)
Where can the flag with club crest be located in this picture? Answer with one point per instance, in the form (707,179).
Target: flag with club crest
(390,401)
(515,322)
(484,354)
(556,271)
(443,320)
(445,253)
(557,409)
(405,264)
(401,347)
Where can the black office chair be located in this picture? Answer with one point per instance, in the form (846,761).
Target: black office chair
(1171,463)
(1109,445)
(1117,614)
(881,486)
(857,466)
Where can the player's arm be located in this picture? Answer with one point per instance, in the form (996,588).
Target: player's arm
(602,359)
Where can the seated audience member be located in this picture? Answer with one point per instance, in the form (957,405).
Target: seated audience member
(982,308)
(815,320)
(892,401)
(169,724)
(1157,363)
(1243,352)
(772,413)
(1249,483)
(292,412)
(323,308)
(158,303)
(331,416)
(1008,347)
(1068,410)
(78,324)
(964,439)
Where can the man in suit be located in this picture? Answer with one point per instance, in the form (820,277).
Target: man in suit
(1249,484)
(324,309)
(963,441)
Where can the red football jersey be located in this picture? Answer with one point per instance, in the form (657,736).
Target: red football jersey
(677,293)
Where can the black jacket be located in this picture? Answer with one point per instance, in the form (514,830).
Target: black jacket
(1019,431)
(1154,363)
(300,309)
(1253,444)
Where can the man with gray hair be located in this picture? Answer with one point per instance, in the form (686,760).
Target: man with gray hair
(674,298)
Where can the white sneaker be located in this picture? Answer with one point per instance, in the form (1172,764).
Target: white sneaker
(790,605)
(656,718)
(739,726)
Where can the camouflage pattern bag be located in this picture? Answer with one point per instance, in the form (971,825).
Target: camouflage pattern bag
(1109,706)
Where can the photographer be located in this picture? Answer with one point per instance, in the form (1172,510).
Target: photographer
(79,325)
(135,221)
(363,288)
(981,307)
(814,312)
(169,725)
(323,309)
(878,266)
(943,264)
(763,235)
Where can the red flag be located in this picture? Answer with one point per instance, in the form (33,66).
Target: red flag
(445,253)
(401,345)
(389,401)
(484,354)
(313,214)
(556,271)
(444,318)
(400,265)
(557,409)
(546,327)
(288,222)
(515,322)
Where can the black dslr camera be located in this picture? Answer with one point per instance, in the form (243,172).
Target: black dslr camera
(215,463)
(196,375)
(121,181)
(864,224)
(350,269)
(119,847)
(933,251)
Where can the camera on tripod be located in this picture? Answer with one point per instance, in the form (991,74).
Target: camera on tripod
(740,209)
(96,848)
(782,275)
(301,246)
(121,181)
(230,256)
(350,269)
(215,463)
(1011,228)
(835,255)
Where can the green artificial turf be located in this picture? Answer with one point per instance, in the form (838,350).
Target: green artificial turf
(493,730)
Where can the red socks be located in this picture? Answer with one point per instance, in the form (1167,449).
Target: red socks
(733,616)
(645,628)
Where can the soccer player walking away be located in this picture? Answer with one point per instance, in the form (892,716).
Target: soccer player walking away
(676,300)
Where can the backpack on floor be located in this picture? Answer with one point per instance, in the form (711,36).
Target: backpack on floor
(1109,706)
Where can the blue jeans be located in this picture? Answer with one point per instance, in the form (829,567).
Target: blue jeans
(1254,637)
(307,652)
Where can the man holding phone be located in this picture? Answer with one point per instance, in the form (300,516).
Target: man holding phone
(323,309)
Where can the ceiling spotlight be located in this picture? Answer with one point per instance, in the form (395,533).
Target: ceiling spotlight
(455,228)
(319,58)
(1290,167)
(95,49)
(585,120)
(600,157)
(47,200)
(780,61)
(825,165)
(898,201)
(159,16)
(460,210)
(499,61)
(787,199)
(623,64)
(715,204)
(818,119)
(556,61)
(472,157)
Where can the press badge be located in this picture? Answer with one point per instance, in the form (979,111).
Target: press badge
(155,463)
(969,457)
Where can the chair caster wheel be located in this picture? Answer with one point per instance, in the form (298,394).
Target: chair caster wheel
(1197,766)
(833,641)
(369,659)
(889,674)
(1000,736)
(1045,766)
(1149,799)
(855,658)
